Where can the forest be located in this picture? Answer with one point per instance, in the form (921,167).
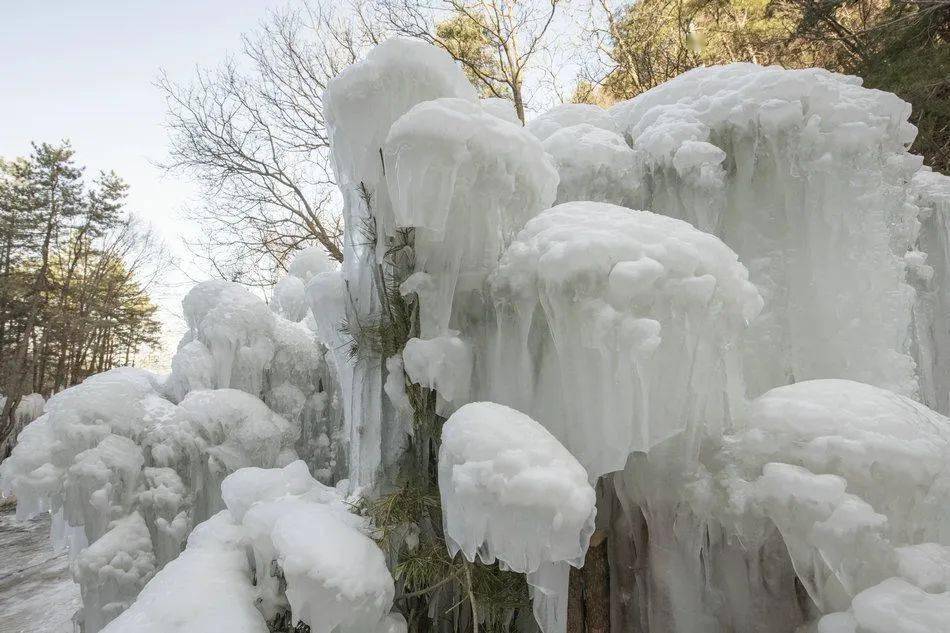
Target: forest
(75,269)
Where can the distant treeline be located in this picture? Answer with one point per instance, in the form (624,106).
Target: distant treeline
(74,271)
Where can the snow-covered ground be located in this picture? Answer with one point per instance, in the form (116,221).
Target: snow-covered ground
(36,591)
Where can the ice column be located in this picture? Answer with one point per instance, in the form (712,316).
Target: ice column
(361,104)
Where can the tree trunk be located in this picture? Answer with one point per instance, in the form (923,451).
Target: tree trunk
(588,602)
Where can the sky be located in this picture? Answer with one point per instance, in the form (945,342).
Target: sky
(85,71)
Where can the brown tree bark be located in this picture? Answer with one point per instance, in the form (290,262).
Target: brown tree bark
(588,602)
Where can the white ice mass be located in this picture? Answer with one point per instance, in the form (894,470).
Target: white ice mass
(710,324)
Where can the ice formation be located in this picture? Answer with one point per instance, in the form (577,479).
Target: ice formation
(568,115)
(723,305)
(443,364)
(511,491)
(208,587)
(804,174)
(285,544)
(799,486)
(466,181)
(360,106)
(929,272)
(593,164)
(617,324)
(129,462)
(128,473)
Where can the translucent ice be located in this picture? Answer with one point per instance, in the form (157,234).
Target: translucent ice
(608,318)
(466,181)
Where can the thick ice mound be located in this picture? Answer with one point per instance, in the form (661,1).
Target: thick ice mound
(805,175)
(831,111)
(502,108)
(236,327)
(361,103)
(285,551)
(853,478)
(309,262)
(338,582)
(894,606)
(569,115)
(467,181)
(290,295)
(236,341)
(823,490)
(129,473)
(245,487)
(593,164)
(208,588)
(444,364)
(107,406)
(511,491)
(113,569)
(613,324)
(327,295)
(290,298)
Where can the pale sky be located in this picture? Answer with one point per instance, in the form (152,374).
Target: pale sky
(84,70)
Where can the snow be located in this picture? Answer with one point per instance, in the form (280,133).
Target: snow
(511,491)
(208,588)
(805,175)
(732,325)
(259,558)
(634,307)
(127,473)
(593,164)
(336,582)
(568,115)
(247,486)
(443,364)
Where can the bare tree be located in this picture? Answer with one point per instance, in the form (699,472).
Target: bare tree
(514,31)
(252,133)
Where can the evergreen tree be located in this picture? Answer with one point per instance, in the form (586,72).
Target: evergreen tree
(71,299)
